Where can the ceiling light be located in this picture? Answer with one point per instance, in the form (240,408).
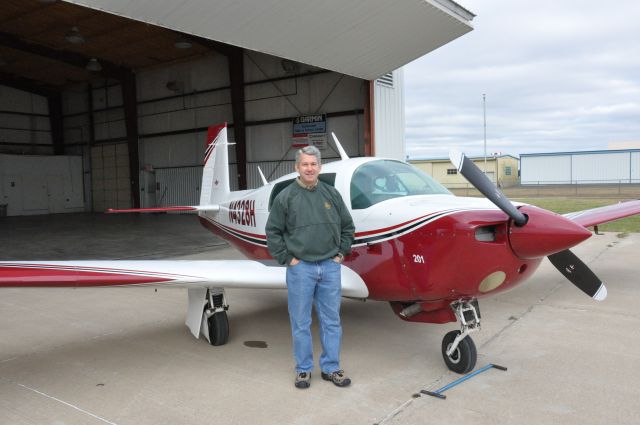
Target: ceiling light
(93,65)
(182,43)
(74,36)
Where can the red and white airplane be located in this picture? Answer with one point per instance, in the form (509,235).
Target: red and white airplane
(430,254)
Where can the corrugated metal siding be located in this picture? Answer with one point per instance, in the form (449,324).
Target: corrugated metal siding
(635,167)
(598,167)
(545,169)
(178,186)
(389,117)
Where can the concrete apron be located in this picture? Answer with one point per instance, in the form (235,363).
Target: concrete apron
(124,356)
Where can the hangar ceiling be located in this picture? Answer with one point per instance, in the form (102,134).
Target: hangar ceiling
(48,44)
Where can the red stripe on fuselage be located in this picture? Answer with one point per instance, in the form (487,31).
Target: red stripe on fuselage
(43,277)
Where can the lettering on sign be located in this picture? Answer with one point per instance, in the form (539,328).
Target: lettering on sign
(243,212)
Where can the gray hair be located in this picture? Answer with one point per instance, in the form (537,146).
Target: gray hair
(308,150)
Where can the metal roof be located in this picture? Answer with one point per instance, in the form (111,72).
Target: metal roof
(362,38)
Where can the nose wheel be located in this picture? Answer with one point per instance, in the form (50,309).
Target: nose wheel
(458,349)
(463,358)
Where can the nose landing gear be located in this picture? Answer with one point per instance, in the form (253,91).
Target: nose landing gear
(458,349)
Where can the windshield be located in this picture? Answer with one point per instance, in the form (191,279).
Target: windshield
(378,181)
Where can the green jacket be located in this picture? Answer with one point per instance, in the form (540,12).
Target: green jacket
(309,224)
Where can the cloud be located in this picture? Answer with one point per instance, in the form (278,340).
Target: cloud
(558,76)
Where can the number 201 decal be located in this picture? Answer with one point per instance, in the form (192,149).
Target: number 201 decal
(418,259)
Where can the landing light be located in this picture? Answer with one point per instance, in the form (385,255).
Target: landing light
(492,281)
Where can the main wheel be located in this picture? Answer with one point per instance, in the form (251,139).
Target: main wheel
(463,359)
(218,328)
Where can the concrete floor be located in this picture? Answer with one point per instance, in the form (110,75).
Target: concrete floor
(124,356)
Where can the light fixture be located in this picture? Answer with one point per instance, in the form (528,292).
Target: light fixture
(74,36)
(93,65)
(182,43)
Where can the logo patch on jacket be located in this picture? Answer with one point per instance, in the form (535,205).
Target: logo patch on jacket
(327,205)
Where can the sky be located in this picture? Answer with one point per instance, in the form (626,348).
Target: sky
(558,75)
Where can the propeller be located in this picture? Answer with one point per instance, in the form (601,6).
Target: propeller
(566,232)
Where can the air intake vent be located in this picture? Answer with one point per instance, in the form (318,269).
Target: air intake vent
(386,80)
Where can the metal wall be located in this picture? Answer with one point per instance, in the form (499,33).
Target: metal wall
(596,167)
(31,185)
(24,123)
(389,122)
(111,182)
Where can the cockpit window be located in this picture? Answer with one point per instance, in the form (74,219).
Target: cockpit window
(378,181)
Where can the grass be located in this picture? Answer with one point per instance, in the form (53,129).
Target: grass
(566,205)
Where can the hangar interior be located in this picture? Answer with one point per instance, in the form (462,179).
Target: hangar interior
(98,110)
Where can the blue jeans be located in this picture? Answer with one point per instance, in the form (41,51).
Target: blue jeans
(318,284)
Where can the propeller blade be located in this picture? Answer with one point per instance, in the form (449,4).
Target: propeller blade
(579,274)
(480,181)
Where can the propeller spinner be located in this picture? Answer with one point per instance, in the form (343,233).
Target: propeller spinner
(539,232)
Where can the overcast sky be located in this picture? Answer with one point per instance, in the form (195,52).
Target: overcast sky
(559,75)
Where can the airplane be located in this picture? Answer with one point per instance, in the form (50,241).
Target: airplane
(428,253)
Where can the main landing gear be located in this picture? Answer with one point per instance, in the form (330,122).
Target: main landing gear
(215,313)
(458,349)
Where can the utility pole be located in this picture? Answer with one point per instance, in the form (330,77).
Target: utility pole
(484,112)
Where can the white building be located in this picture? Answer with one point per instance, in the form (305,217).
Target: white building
(589,167)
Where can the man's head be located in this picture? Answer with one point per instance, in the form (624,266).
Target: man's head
(308,164)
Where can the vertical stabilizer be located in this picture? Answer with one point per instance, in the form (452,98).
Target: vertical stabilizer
(215,175)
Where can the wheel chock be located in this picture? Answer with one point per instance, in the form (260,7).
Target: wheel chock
(438,393)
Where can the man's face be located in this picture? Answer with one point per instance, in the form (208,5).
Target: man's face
(308,168)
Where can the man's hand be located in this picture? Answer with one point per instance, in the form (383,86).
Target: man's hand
(338,258)
(294,261)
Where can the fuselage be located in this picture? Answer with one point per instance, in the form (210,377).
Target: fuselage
(428,247)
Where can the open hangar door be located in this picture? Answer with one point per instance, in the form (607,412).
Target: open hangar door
(133,100)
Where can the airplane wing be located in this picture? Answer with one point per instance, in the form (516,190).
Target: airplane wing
(606,214)
(201,273)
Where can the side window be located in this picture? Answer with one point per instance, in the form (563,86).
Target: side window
(328,178)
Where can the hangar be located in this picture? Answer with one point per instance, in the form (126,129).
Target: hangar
(621,166)
(106,104)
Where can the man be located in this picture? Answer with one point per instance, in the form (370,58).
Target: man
(310,230)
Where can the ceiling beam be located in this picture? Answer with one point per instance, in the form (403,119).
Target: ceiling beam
(25,84)
(70,58)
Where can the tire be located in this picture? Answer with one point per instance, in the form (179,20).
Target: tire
(463,359)
(218,328)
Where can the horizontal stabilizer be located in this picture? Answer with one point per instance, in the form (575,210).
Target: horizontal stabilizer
(166,209)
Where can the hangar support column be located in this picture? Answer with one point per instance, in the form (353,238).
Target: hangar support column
(129,98)
(235,58)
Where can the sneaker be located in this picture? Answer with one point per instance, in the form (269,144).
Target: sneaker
(303,380)
(338,378)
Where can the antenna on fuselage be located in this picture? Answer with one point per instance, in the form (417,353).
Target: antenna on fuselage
(264,180)
(343,154)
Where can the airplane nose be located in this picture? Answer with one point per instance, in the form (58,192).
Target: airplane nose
(545,233)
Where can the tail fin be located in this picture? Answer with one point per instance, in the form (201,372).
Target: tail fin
(215,175)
